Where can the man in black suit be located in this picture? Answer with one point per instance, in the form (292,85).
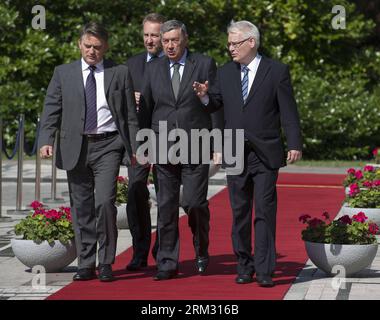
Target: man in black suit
(90,102)
(167,96)
(138,209)
(257,96)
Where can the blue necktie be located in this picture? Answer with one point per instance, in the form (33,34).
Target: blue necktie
(244,83)
(91,112)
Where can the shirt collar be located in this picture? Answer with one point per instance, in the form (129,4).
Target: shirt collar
(99,65)
(181,61)
(149,56)
(253,64)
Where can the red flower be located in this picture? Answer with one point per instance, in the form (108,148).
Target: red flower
(351,171)
(313,223)
(367,184)
(376,183)
(360,217)
(304,218)
(345,219)
(369,168)
(121,179)
(354,189)
(359,174)
(373,228)
(36,205)
(326,215)
(375,152)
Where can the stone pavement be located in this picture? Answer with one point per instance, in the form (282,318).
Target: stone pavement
(17,282)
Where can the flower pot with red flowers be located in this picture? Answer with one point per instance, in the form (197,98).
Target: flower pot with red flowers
(121,202)
(345,245)
(363,178)
(47,238)
(364,200)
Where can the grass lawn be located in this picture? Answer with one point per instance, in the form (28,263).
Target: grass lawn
(333,163)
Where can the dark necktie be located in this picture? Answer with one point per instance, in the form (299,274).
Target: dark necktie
(244,83)
(176,79)
(91,112)
(152,58)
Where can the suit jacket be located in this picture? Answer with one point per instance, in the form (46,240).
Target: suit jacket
(65,107)
(269,106)
(137,65)
(159,103)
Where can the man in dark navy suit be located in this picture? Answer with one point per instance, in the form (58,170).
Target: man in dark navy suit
(257,96)
(138,209)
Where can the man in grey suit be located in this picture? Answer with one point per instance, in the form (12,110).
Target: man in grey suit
(90,101)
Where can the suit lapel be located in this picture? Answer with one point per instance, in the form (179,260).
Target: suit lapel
(262,71)
(108,75)
(165,75)
(187,73)
(78,86)
(236,82)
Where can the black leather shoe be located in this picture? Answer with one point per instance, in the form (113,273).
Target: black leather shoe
(105,273)
(85,274)
(165,275)
(136,264)
(244,278)
(201,264)
(264,280)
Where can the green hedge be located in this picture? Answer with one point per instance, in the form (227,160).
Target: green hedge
(335,72)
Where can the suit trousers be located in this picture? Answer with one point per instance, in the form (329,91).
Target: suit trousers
(92,187)
(194,179)
(138,209)
(257,182)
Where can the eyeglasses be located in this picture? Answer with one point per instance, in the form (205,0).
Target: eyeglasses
(236,45)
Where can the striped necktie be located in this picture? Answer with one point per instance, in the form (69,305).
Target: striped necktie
(91,111)
(244,83)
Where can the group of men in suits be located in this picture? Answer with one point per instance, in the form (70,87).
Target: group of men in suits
(170,83)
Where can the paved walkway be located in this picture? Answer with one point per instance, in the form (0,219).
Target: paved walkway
(18,283)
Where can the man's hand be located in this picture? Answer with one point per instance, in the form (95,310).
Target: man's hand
(137,97)
(46,151)
(217,158)
(200,89)
(294,155)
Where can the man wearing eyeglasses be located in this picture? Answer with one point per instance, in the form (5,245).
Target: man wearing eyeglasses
(257,96)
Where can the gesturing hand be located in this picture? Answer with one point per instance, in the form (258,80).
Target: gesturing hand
(200,89)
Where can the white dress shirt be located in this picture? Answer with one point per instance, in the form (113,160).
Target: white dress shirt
(182,62)
(149,56)
(105,120)
(252,67)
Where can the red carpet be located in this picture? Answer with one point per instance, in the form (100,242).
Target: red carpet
(218,283)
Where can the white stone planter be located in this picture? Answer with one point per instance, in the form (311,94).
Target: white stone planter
(121,218)
(376,165)
(372,213)
(347,190)
(351,258)
(52,257)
